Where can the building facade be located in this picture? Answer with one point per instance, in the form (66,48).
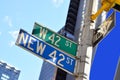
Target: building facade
(48,71)
(7,72)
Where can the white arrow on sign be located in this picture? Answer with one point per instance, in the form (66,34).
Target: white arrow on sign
(104,29)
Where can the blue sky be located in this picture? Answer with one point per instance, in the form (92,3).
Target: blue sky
(16,14)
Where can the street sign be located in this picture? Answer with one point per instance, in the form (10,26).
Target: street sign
(45,51)
(55,39)
(104,29)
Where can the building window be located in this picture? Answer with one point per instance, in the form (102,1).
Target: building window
(4,77)
(61,75)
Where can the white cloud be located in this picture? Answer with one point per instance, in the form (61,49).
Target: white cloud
(14,35)
(57,3)
(0,33)
(12,43)
(8,20)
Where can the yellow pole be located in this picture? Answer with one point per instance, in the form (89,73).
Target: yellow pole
(106,6)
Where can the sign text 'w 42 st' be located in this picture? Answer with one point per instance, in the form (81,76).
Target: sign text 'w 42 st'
(45,51)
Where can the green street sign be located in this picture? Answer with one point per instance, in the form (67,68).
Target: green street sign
(55,39)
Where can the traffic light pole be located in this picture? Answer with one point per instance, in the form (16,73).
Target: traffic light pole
(85,28)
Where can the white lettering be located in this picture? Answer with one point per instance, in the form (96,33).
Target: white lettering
(40,48)
(60,60)
(31,41)
(68,44)
(69,61)
(56,43)
(52,38)
(23,38)
(43,33)
(53,55)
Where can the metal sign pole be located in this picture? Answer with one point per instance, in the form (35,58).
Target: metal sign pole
(85,48)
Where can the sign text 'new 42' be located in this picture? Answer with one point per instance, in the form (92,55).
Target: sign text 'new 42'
(46,51)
